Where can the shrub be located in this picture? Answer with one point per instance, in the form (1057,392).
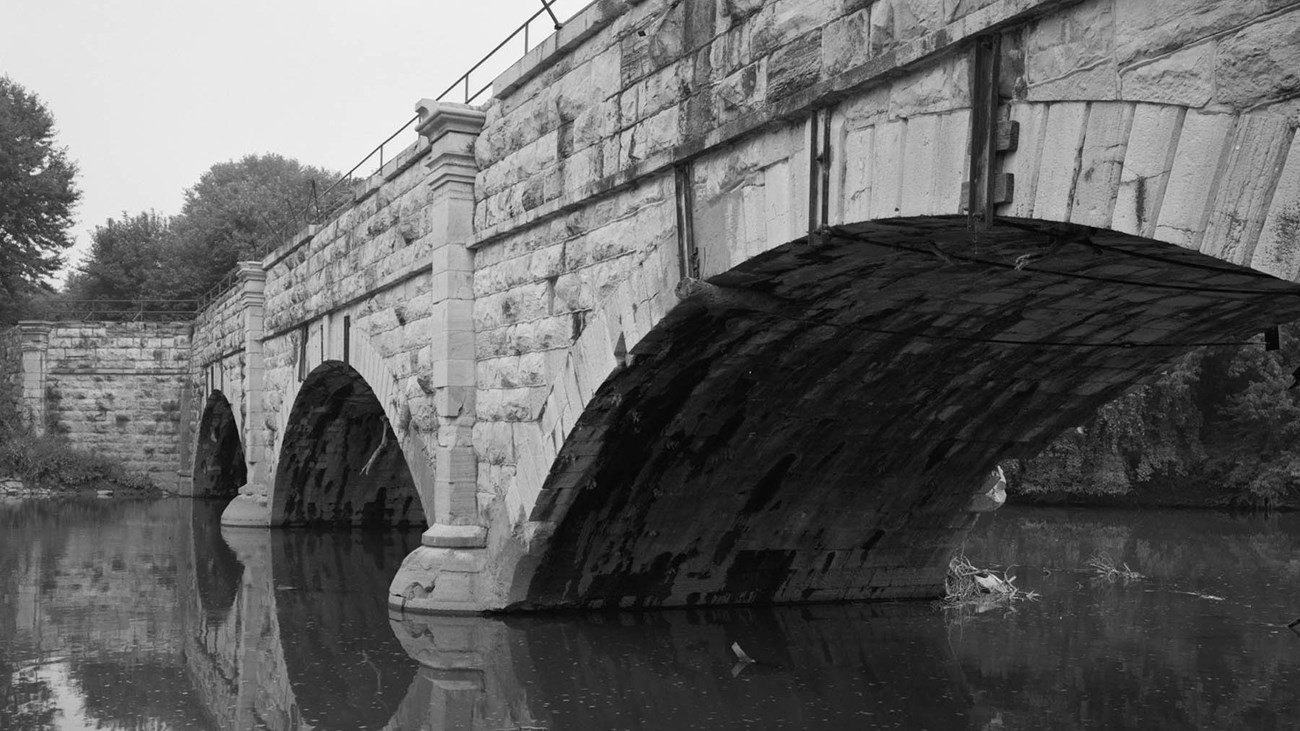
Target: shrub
(51,462)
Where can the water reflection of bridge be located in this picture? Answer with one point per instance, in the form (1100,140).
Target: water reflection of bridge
(287,630)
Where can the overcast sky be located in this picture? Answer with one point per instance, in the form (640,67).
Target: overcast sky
(148,94)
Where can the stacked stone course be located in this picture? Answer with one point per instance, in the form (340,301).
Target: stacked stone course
(117,389)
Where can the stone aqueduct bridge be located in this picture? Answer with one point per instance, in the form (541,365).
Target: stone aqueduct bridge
(727,301)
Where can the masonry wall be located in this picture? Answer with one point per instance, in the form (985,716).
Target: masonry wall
(217,359)
(365,275)
(116,389)
(218,328)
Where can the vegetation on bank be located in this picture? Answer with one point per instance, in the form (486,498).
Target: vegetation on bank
(1220,427)
(51,463)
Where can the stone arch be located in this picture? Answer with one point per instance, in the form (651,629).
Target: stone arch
(903,346)
(219,465)
(366,361)
(339,460)
(1223,183)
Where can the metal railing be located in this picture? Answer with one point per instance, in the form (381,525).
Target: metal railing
(119,310)
(314,211)
(223,285)
(522,29)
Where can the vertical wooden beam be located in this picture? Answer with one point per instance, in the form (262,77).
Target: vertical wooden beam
(819,171)
(688,256)
(347,339)
(980,194)
(302,352)
(824,161)
(814,172)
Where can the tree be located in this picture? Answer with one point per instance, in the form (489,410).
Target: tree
(37,196)
(125,261)
(237,210)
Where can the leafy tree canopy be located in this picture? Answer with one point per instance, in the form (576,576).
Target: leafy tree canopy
(1221,423)
(37,196)
(125,260)
(237,211)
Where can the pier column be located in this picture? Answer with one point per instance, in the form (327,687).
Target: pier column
(443,575)
(252,507)
(35,343)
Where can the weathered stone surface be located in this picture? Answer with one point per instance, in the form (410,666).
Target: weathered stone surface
(1148,160)
(1147,29)
(1260,63)
(1187,200)
(1069,54)
(846,42)
(794,65)
(942,87)
(1258,150)
(1277,252)
(1101,159)
(783,21)
(1185,78)
(1059,160)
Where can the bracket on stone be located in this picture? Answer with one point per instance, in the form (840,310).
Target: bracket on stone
(992,132)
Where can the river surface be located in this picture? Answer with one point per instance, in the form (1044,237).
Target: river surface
(148,615)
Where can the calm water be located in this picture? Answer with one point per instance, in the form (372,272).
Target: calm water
(121,615)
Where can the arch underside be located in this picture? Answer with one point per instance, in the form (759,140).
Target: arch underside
(340,462)
(219,465)
(817,431)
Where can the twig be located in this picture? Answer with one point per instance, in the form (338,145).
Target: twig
(383,442)
(1107,569)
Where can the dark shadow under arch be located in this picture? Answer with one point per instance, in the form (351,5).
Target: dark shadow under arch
(219,466)
(340,462)
(814,428)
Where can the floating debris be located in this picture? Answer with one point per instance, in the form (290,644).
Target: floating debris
(1106,568)
(1202,595)
(743,660)
(982,589)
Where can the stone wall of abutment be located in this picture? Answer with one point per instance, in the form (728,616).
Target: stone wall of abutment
(116,389)
(683,398)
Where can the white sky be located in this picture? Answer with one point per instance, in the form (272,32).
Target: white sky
(148,94)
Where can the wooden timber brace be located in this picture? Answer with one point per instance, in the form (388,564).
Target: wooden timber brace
(991,132)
